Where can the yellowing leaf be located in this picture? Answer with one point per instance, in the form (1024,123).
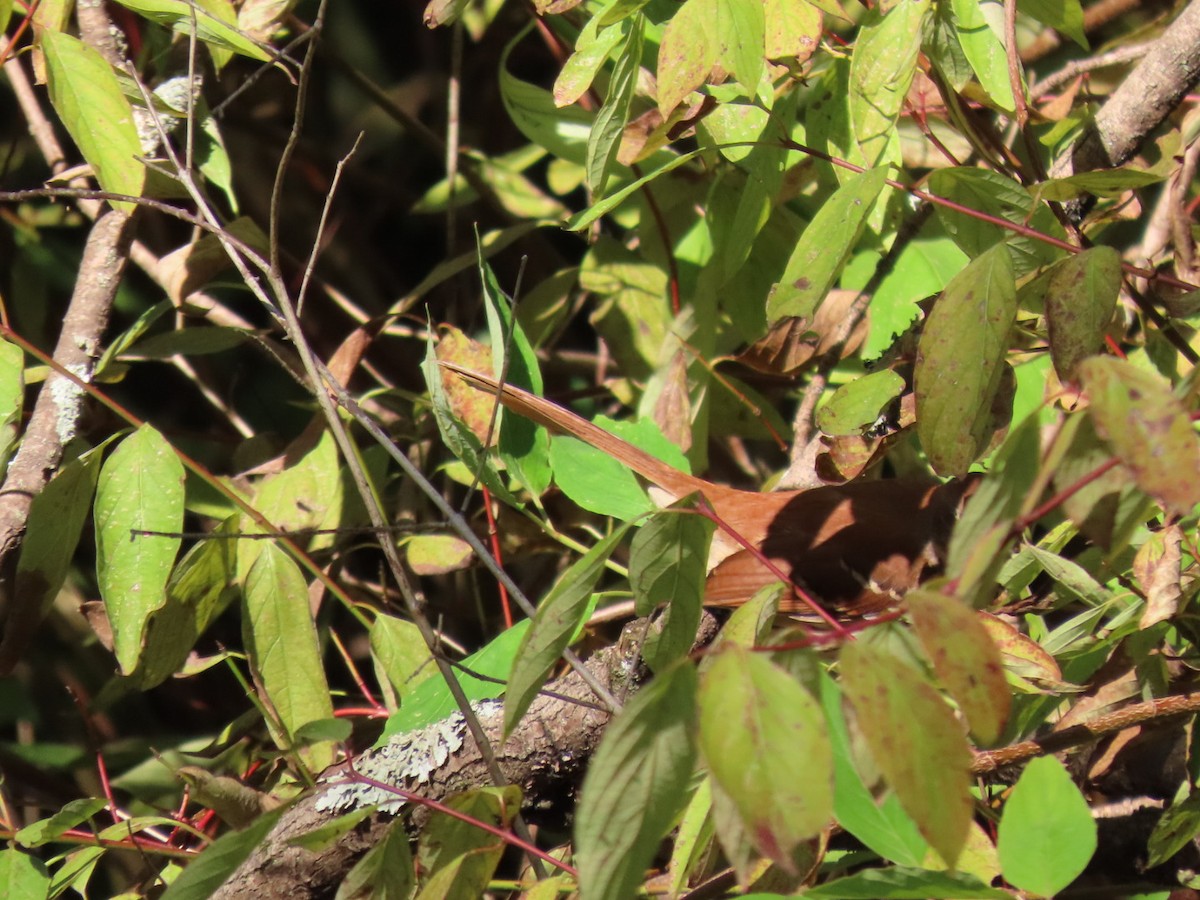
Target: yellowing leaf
(965,659)
(1147,427)
(88,98)
(915,741)
(881,72)
(755,722)
(708,33)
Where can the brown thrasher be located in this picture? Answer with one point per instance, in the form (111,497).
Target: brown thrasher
(856,547)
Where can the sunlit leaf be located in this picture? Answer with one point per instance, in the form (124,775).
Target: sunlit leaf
(824,247)
(984,50)
(916,742)
(881,71)
(281,638)
(431,700)
(755,720)
(558,617)
(635,786)
(965,659)
(1147,427)
(87,97)
(1047,833)
(212,29)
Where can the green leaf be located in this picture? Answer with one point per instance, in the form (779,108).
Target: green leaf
(207,872)
(857,404)
(56,519)
(200,589)
(635,786)
(431,700)
(281,639)
(881,72)
(6,8)
(755,722)
(824,247)
(668,564)
(1065,16)
(402,660)
(179,15)
(307,494)
(1175,830)
(1081,296)
(329,831)
(524,446)
(605,138)
(997,195)
(140,488)
(1147,427)
(965,658)
(582,220)
(960,362)
(1073,577)
(984,50)
(601,484)
(977,544)
(882,826)
(558,618)
(189,342)
(12,396)
(22,877)
(901,883)
(563,132)
(916,742)
(592,48)
(1103,183)
(68,817)
(87,97)
(1105,509)
(385,872)
(447,838)
(1047,833)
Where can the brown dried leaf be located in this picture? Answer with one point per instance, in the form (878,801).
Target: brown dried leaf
(1157,569)
(473,407)
(673,408)
(791,342)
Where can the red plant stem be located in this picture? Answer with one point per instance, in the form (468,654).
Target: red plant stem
(375,708)
(498,555)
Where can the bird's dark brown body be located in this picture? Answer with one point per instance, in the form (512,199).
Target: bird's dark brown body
(856,548)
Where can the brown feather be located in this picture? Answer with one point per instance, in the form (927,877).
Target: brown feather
(856,547)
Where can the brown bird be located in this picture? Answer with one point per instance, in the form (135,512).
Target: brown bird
(856,548)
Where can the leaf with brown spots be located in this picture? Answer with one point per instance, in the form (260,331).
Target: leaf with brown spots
(915,741)
(1081,295)
(960,362)
(965,658)
(1147,427)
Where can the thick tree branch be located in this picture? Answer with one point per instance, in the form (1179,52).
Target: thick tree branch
(545,757)
(1144,99)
